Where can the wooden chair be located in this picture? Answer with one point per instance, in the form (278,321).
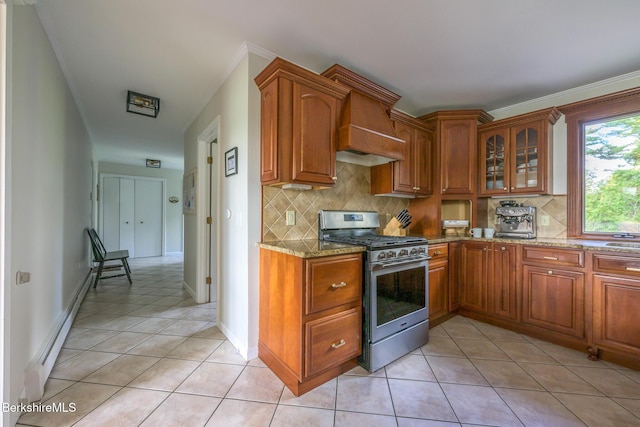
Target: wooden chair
(100,255)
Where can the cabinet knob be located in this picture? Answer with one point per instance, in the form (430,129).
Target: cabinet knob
(335,178)
(503,248)
(338,344)
(416,188)
(484,249)
(339,285)
(505,188)
(513,188)
(549,271)
(436,253)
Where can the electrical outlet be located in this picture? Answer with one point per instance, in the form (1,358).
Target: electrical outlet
(290,217)
(22,277)
(544,220)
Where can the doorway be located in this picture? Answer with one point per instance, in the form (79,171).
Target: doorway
(132,215)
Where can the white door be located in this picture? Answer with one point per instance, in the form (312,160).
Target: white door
(127,224)
(132,215)
(110,232)
(148,218)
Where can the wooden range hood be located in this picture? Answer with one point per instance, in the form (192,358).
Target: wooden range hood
(365,127)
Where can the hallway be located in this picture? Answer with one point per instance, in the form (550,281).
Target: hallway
(147,355)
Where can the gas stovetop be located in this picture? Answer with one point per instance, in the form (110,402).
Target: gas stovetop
(359,228)
(377,241)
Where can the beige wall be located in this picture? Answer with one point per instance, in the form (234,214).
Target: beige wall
(350,193)
(48,199)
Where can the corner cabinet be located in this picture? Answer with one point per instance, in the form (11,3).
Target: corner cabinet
(515,154)
(456,149)
(310,317)
(411,176)
(299,125)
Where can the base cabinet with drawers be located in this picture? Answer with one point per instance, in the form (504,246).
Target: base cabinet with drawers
(310,317)
(582,299)
(553,290)
(616,300)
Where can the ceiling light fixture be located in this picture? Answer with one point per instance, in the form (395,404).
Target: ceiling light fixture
(145,105)
(151,163)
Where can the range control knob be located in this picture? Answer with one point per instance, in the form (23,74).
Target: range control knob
(404,252)
(382,256)
(414,252)
(422,250)
(391,254)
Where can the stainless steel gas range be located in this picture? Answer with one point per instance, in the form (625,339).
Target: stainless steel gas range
(396,287)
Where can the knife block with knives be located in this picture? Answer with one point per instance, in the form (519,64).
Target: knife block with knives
(398,224)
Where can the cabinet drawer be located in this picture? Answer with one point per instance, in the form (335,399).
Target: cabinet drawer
(439,251)
(605,263)
(333,281)
(332,340)
(553,256)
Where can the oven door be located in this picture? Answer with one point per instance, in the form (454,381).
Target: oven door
(397,297)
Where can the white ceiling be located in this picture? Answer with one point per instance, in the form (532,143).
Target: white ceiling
(436,54)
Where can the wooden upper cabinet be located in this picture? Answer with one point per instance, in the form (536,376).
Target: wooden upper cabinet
(456,149)
(515,154)
(299,125)
(411,176)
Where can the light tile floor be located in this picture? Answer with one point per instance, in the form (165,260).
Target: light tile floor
(148,355)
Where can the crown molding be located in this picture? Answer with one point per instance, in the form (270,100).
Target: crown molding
(25,2)
(591,90)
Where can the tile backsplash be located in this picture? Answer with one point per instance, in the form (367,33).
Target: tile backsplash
(350,193)
(555,207)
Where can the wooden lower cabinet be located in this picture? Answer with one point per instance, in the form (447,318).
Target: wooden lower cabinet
(616,298)
(438,283)
(474,275)
(554,299)
(503,283)
(310,317)
(615,305)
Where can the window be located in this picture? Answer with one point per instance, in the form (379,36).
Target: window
(604,166)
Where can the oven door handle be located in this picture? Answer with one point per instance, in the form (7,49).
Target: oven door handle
(382,266)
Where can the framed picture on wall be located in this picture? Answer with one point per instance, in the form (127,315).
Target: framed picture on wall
(231,162)
(189,193)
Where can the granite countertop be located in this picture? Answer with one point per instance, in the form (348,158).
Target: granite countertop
(310,248)
(592,245)
(317,248)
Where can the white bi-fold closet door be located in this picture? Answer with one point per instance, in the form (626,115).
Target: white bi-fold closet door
(132,215)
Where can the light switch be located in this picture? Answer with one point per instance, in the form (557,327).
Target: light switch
(290,218)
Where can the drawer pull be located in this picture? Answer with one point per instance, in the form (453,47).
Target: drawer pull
(436,253)
(339,285)
(633,269)
(554,258)
(339,344)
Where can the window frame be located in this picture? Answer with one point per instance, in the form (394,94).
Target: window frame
(577,114)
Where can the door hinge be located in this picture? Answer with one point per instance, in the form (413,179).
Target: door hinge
(208,280)
(209,220)
(210,160)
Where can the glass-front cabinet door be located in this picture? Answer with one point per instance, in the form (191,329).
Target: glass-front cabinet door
(514,154)
(494,155)
(527,155)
